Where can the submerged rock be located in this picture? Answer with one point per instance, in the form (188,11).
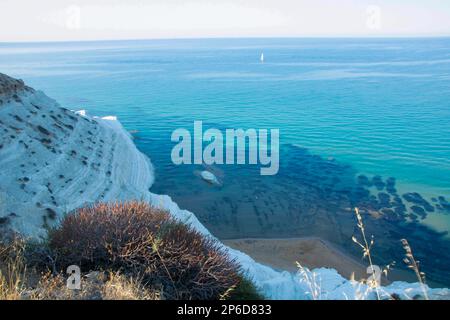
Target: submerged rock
(363,180)
(390,181)
(390,185)
(413,197)
(389,214)
(443,204)
(384,199)
(209,177)
(419,211)
(377,181)
(417,199)
(400,210)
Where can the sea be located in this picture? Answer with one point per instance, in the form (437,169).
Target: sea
(363,122)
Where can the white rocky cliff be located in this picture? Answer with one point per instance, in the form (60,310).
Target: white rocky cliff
(53,160)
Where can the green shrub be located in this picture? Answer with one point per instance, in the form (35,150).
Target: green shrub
(245,290)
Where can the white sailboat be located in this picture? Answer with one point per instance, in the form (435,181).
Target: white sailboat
(262,57)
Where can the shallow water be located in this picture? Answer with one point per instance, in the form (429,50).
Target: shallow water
(344,107)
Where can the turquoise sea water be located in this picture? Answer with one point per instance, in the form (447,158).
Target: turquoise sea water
(344,107)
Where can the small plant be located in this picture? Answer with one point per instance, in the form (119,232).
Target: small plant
(413,264)
(244,290)
(374,281)
(366,248)
(311,280)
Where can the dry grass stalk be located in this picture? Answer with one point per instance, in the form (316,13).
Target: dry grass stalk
(311,280)
(413,264)
(366,248)
(12,270)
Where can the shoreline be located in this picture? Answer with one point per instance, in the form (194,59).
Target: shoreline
(281,254)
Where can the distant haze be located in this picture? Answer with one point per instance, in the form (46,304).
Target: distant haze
(62,20)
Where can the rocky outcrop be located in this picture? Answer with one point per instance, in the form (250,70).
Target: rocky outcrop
(11,88)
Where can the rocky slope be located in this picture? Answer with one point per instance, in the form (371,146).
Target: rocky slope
(53,160)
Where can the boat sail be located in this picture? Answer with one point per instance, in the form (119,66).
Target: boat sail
(262,57)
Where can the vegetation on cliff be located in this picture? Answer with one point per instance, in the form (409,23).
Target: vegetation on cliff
(125,251)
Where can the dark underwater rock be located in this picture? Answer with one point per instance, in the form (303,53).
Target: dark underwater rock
(377,181)
(390,185)
(360,193)
(443,205)
(385,199)
(413,197)
(391,190)
(400,210)
(389,214)
(428,207)
(363,180)
(417,199)
(390,181)
(419,211)
(397,200)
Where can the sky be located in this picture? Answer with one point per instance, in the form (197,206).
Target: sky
(73,20)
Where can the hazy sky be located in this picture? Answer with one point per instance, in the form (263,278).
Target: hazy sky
(29,20)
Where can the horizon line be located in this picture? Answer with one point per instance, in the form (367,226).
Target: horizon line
(386,36)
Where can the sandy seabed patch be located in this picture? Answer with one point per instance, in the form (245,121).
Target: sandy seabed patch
(311,252)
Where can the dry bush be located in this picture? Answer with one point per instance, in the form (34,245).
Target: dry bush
(12,269)
(50,287)
(143,242)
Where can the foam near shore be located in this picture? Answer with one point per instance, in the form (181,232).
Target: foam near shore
(54,160)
